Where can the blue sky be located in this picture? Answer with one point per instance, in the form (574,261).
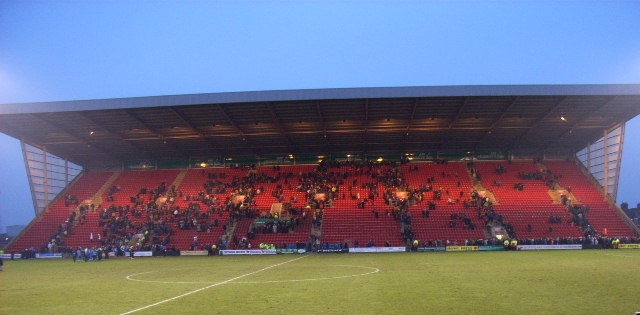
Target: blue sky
(65,50)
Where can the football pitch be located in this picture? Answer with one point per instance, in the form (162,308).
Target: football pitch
(543,282)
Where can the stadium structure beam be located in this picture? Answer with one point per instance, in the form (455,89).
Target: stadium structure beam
(39,144)
(413,114)
(81,139)
(495,122)
(155,132)
(29,177)
(385,144)
(237,128)
(447,136)
(548,110)
(577,123)
(280,128)
(460,109)
(398,129)
(118,136)
(322,122)
(619,162)
(366,124)
(410,122)
(324,126)
(196,130)
(597,134)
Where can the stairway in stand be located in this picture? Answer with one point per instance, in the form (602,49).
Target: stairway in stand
(600,215)
(531,207)
(176,182)
(97,198)
(81,232)
(39,232)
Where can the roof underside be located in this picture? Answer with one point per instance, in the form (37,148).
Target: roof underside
(314,122)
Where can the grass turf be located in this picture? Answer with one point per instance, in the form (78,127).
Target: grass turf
(542,282)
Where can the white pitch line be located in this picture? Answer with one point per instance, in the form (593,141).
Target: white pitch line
(211,286)
(374,270)
(130,277)
(607,254)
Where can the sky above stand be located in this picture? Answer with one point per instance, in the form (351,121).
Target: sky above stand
(70,50)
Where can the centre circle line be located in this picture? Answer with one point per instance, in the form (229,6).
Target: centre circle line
(211,286)
(374,270)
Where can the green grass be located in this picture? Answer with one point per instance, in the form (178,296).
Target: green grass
(544,282)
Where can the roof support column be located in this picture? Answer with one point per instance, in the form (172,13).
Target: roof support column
(46,180)
(606,163)
(618,161)
(26,166)
(589,157)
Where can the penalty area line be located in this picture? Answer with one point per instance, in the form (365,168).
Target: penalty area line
(211,286)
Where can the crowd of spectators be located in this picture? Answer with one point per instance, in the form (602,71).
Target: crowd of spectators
(594,241)
(149,224)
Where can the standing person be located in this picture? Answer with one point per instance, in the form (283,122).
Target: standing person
(131,253)
(194,245)
(514,244)
(78,253)
(1,263)
(91,237)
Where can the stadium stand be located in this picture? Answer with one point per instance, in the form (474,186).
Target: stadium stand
(55,219)
(352,218)
(528,210)
(281,190)
(600,215)
(364,204)
(127,185)
(454,182)
(159,185)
